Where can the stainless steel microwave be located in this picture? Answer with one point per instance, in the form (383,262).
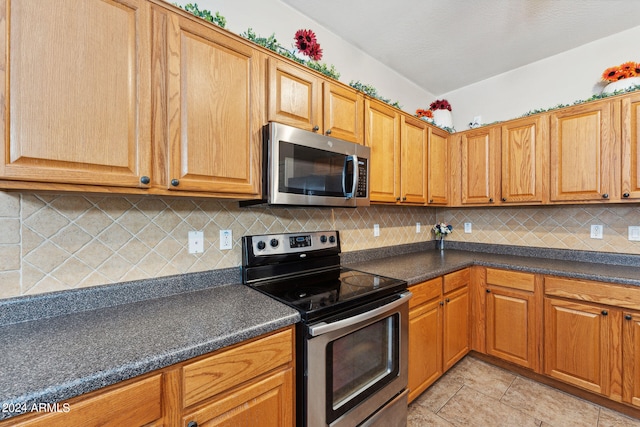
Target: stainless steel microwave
(306,168)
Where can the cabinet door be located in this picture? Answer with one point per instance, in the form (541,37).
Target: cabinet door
(631,355)
(455,326)
(343,113)
(511,325)
(383,138)
(581,144)
(576,343)
(480,152)
(425,347)
(76,92)
(268,402)
(413,163)
(438,174)
(214,85)
(525,163)
(630,151)
(294,96)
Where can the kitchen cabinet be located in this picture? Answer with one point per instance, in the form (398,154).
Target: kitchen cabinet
(75,92)
(582,147)
(382,124)
(631,355)
(438,328)
(252,380)
(398,146)
(300,98)
(480,157)
(438,167)
(513,317)
(525,160)
(630,151)
(212,85)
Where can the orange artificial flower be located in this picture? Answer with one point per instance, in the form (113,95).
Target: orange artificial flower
(424,113)
(622,71)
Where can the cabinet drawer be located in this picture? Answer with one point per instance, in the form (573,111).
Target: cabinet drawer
(228,368)
(597,292)
(425,291)
(135,404)
(511,279)
(456,280)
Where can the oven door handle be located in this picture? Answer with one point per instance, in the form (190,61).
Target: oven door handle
(324,327)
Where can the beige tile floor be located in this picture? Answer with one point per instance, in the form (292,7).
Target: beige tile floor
(475,393)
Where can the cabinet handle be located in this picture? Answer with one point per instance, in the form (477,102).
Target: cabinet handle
(605,196)
(504,199)
(441,303)
(447,300)
(604,312)
(328,132)
(430,200)
(145,180)
(488,291)
(175,182)
(397,199)
(627,317)
(626,195)
(316,128)
(192,424)
(404,199)
(491,200)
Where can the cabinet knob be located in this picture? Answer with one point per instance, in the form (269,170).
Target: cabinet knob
(627,317)
(491,200)
(328,132)
(397,199)
(430,200)
(175,182)
(192,424)
(626,195)
(604,312)
(605,196)
(447,300)
(441,303)
(316,128)
(145,180)
(488,291)
(404,199)
(504,199)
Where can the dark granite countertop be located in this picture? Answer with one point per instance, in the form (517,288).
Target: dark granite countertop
(54,359)
(57,346)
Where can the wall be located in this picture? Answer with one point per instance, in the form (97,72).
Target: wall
(560,79)
(266,17)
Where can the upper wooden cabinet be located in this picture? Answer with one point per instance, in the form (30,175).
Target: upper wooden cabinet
(383,138)
(479,157)
(413,160)
(630,189)
(76,92)
(438,167)
(525,160)
(300,98)
(582,148)
(213,98)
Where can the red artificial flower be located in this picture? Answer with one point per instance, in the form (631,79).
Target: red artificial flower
(305,40)
(315,52)
(440,105)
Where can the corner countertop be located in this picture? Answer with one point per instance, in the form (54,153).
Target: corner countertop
(90,338)
(54,359)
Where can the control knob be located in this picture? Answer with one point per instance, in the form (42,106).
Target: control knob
(261,245)
(323,239)
(274,243)
(332,239)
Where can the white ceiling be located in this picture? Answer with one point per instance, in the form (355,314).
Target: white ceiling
(443,45)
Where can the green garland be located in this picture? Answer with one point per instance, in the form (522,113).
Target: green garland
(216,19)
(373,92)
(272,44)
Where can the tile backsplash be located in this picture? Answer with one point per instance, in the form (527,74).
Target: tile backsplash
(51,242)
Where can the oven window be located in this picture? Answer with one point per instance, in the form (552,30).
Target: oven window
(360,364)
(310,171)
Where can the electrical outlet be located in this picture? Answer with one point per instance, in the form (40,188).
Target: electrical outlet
(597,231)
(226,239)
(634,233)
(467,227)
(417,227)
(196,242)
(376,230)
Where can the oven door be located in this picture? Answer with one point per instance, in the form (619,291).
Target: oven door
(305,168)
(357,363)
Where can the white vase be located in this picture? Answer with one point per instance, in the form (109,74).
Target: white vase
(622,84)
(443,118)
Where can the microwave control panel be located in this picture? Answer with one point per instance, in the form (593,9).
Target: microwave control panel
(361,190)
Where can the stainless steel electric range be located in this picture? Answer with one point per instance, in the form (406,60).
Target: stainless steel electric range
(352,343)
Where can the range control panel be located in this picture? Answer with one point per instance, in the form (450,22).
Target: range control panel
(289,243)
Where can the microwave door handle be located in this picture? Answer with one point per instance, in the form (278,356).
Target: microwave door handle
(352,194)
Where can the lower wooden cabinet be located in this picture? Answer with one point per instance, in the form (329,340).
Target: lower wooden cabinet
(251,383)
(630,358)
(512,317)
(438,328)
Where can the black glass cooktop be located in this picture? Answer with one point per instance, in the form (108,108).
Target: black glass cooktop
(324,293)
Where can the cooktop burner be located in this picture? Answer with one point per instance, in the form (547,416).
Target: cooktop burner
(303,271)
